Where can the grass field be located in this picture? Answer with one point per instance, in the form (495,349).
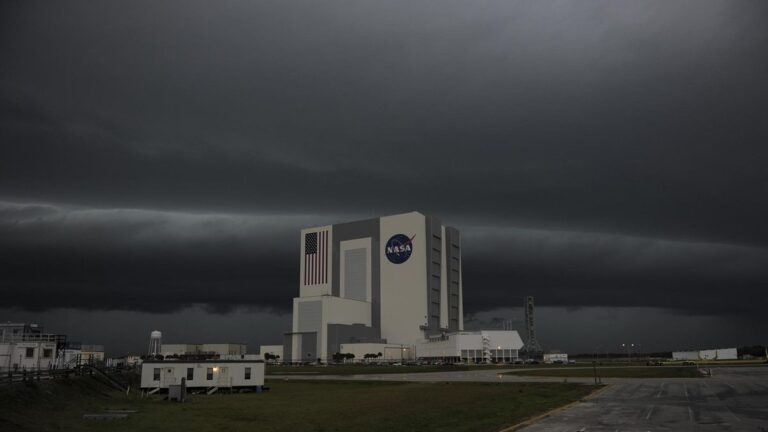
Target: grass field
(615,372)
(356,369)
(289,406)
(362,369)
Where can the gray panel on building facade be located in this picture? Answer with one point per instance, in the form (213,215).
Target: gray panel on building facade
(309,347)
(434,272)
(357,230)
(453,264)
(355,274)
(287,347)
(310,316)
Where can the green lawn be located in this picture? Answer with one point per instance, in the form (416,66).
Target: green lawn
(615,372)
(358,369)
(290,406)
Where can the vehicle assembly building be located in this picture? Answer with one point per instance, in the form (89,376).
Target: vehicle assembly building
(392,280)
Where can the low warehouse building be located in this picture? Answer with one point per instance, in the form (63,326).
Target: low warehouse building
(241,373)
(486,346)
(555,357)
(709,354)
(273,353)
(216,349)
(377,352)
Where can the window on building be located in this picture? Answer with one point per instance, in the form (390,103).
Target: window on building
(47,353)
(190,374)
(156,374)
(30,352)
(209,374)
(247,373)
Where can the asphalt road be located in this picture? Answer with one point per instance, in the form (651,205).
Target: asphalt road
(732,399)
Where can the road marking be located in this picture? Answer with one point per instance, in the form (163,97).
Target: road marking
(685,390)
(661,390)
(727,408)
(650,411)
(690,414)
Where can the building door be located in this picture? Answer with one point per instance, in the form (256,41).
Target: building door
(169,377)
(224,380)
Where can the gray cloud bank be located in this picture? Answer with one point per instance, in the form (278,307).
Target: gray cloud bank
(165,261)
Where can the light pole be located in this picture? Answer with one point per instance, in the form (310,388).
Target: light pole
(629,350)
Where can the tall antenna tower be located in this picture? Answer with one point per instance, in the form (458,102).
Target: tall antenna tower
(155,343)
(531,343)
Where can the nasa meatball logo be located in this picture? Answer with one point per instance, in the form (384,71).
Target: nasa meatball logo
(399,248)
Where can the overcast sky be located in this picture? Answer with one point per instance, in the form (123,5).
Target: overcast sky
(158,159)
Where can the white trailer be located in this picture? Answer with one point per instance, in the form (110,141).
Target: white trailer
(555,357)
(203,373)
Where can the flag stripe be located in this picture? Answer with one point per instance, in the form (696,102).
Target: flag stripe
(322,260)
(325,257)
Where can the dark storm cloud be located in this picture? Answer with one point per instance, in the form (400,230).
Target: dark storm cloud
(118,259)
(578,269)
(615,150)
(142,260)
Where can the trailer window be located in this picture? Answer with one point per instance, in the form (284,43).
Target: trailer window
(30,352)
(156,374)
(209,374)
(47,353)
(190,374)
(247,373)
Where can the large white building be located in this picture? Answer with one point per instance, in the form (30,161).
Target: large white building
(392,280)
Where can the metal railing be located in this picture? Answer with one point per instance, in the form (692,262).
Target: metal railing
(19,376)
(32,337)
(27,376)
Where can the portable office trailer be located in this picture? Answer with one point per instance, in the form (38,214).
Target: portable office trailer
(203,374)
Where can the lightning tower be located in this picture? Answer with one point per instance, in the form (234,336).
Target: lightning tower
(531,343)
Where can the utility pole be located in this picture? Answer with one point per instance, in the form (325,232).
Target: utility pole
(594,368)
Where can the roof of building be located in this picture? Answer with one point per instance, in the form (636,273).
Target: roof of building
(200,361)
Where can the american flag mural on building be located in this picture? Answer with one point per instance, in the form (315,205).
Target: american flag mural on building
(316,258)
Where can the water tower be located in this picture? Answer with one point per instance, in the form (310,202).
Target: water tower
(155,343)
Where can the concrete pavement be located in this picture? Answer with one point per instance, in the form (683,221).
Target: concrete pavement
(733,399)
